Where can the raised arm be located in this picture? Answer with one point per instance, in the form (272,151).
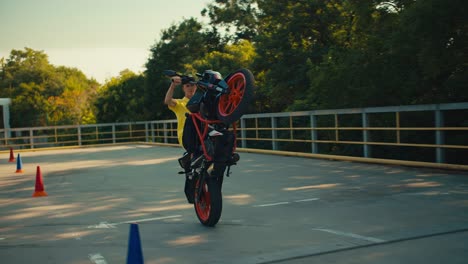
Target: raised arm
(169,100)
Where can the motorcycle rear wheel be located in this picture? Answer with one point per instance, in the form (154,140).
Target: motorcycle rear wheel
(209,205)
(233,105)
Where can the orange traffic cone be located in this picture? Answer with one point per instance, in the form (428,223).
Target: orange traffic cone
(19,164)
(39,190)
(12,157)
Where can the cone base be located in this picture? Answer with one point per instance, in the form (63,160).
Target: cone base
(11,160)
(19,171)
(39,194)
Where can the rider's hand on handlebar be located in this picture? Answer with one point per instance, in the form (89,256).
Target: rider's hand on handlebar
(176,80)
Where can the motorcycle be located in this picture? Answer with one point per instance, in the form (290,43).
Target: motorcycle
(210,134)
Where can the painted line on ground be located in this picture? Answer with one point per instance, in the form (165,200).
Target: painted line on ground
(308,252)
(149,219)
(97,258)
(271,204)
(103,225)
(282,203)
(307,200)
(340,233)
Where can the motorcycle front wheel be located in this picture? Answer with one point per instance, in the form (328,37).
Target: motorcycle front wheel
(233,105)
(209,204)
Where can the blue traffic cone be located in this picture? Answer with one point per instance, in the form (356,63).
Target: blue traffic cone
(19,164)
(134,254)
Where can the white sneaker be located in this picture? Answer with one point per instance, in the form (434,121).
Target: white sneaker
(215,133)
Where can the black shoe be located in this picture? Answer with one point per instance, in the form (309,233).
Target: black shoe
(184,162)
(189,190)
(234,159)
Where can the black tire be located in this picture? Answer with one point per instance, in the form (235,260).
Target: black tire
(208,207)
(233,105)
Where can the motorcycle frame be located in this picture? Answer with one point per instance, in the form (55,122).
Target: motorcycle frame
(208,159)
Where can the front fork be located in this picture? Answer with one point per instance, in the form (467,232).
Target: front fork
(206,174)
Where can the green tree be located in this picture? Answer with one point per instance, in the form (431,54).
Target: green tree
(435,35)
(75,103)
(290,35)
(226,60)
(411,53)
(121,99)
(355,70)
(29,106)
(43,94)
(237,18)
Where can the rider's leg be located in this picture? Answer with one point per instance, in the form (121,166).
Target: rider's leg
(223,153)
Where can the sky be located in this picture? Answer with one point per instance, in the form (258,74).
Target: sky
(99,37)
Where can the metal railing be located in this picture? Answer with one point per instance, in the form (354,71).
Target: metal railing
(94,134)
(423,133)
(429,133)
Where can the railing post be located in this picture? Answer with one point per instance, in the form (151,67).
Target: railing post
(274,133)
(256,129)
(131,133)
(291,128)
(6,121)
(7,135)
(165,133)
(113,134)
(439,122)
(243,134)
(337,135)
(313,133)
(365,135)
(31,138)
(152,132)
(146,132)
(397,126)
(79,135)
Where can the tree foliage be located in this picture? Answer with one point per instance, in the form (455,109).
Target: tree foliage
(237,18)
(43,94)
(121,99)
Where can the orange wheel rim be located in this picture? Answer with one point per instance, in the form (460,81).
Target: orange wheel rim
(203,205)
(228,103)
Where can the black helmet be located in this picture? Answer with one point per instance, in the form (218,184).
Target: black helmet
(188,79)
(212,77)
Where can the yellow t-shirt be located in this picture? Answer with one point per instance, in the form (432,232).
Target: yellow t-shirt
(179,110)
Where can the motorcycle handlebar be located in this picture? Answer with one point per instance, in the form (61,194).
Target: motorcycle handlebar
(220,87)
(171,73)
